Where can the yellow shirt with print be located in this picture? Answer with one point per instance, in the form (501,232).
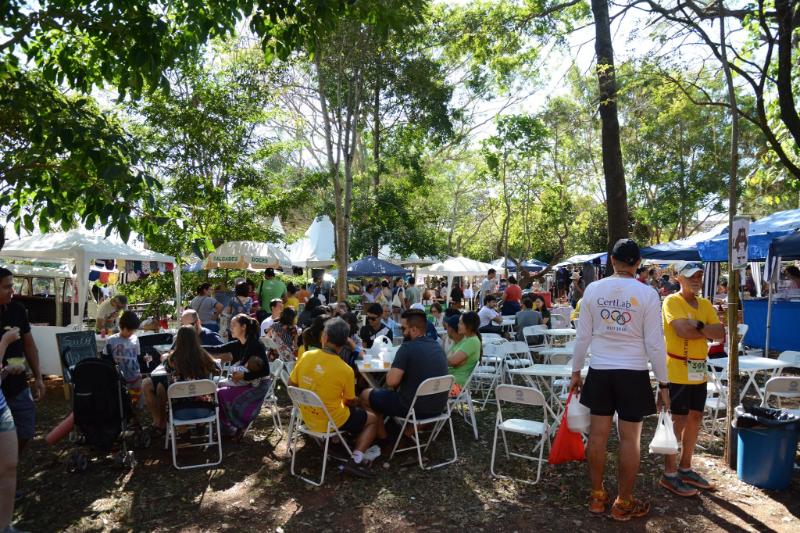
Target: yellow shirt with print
(332,380)
(679,350)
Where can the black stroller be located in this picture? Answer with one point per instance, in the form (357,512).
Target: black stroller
(102,410)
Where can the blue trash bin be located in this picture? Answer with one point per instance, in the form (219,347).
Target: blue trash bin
(766,451)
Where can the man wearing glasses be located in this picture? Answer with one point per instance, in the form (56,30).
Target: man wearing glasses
(374,327)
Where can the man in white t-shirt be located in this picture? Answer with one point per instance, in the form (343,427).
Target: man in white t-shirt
(491,320)
(621,321)
(276,307)
(488,286)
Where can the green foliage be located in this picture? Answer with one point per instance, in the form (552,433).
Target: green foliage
(61,157)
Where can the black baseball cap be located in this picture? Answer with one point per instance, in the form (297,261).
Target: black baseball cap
(627,251)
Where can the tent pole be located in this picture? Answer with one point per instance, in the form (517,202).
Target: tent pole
(769,311)
(449,288)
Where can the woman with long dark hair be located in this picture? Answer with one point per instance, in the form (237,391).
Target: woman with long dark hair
(540,305)
(239,405)
(284,334)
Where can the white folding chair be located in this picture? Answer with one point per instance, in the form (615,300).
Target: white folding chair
(716,401)
(535,331)
(286,370)
(782,387)
(306,398)
(487,372)
(741,331)
(429,387)
(558,321)
(463,403)
(515,355)
(532,428)
(270,400)
(194,389)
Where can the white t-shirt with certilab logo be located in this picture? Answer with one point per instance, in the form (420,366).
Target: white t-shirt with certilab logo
(620,324)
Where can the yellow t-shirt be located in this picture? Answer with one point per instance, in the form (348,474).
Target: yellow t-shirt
(680,350)
(293,302)
(334,382)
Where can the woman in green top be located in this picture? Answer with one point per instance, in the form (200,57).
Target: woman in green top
(466,350)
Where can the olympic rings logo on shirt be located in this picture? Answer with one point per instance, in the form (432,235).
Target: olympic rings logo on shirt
(620,317)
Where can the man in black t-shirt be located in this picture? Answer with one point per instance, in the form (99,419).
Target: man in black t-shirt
(374,327)
(417,359)
(15,386)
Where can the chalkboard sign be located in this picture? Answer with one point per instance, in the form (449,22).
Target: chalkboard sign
(73,347)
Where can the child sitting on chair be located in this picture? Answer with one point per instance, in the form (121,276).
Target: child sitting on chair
(123,349)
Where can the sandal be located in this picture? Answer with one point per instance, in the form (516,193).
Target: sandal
(622,510)
(597,501)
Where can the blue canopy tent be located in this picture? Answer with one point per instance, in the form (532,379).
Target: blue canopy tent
(761,234)
(503,263)
(533,265)
(373,267)
(681,249)
(781,248)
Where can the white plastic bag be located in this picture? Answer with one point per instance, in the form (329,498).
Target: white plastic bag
(578,416)
(664,441)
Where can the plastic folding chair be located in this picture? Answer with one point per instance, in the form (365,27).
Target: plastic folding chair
(559,321)
(741,331)
(271,400)
(429,387)
(194,389)
(535,331)
(515,355)
(306,398)
(487,373)
(532,428)
(782,387)
(716,401)
(463,403)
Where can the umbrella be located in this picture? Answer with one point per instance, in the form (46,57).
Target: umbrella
(372,266)
(248,254)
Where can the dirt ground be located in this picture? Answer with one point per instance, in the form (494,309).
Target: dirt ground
(253,490)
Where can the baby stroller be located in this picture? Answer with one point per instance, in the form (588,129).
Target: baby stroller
(102,409)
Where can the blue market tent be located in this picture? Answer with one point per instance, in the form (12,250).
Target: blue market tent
(761,234)
(533,265)
(502,263)
(372,266)
(786,247)
(681,249)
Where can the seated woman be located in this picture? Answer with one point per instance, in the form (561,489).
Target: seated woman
(283,334)
(239,405)
(187,362)
(464,354)
(540,305)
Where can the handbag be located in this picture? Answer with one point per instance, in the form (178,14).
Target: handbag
(396,301)
(568,445)
(664,441)
(579,417)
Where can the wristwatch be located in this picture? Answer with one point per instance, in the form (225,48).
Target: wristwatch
(663,385)
(700,325)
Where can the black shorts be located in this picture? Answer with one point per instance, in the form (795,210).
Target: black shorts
(685,398)
(626,392)
(355,422)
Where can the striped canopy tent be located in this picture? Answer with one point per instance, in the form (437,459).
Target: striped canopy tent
(250,255)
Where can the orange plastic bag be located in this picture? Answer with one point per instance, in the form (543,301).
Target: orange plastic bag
(568,445)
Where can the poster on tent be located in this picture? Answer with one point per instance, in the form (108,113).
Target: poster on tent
(740,229)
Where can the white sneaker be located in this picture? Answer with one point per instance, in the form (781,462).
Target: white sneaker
(372,453)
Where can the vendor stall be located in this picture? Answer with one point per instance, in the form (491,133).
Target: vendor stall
(78,250)
(456,266)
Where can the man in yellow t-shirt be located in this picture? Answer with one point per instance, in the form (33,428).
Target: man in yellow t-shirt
(325,373)
(688,321)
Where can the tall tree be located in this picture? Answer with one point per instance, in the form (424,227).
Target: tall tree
(613,168)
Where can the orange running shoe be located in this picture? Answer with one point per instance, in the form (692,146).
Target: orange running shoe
(597,501)
(623,510)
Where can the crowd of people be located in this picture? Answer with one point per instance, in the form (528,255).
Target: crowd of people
(620,319)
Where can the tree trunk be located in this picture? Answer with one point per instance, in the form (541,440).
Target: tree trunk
(614,172)
(376,151)
(785,11)
(733,276)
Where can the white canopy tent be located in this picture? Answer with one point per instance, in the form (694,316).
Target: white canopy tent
(455,266)
(79,249)
(317,248)
(251,255)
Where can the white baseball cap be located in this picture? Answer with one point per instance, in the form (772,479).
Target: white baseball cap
(690,269)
